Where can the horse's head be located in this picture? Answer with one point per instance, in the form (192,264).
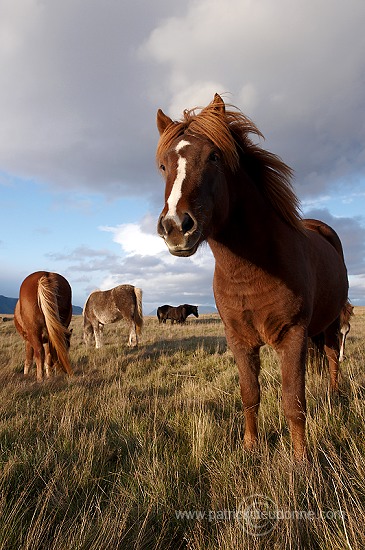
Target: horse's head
(194,311)
(212,168)
(193,166)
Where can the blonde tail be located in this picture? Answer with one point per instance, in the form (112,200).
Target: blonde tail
(138,315)
(345,316)
(346,313)
(47,292)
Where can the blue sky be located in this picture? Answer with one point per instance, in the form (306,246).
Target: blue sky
(81,82)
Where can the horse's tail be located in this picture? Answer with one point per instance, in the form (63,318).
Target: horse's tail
(138,315)
(57,332)
(346,313)
(345,316)
(316,352)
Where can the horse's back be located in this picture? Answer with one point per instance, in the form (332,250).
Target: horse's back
(164,309)
(327,232)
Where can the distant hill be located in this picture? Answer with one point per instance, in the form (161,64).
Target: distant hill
(7,306)
(201,310)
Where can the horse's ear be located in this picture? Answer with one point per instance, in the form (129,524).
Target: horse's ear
(218,104)
(163,121)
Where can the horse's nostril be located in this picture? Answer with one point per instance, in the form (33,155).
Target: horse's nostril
(187,223)
(164,226)
(161,226)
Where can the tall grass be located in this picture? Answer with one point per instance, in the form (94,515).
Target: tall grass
(143,449)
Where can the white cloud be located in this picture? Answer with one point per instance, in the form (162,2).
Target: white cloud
(146,263)
(134,240)
(81,86)
(298,73)
(196,94)
(82,81)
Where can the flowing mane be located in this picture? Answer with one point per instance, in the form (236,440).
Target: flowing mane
(230,134)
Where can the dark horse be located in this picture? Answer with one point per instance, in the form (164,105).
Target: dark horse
(278,279)
(177,314)
(109,306)
(42,316)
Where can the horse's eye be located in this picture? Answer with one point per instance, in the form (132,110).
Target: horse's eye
(162,167)
(214,157)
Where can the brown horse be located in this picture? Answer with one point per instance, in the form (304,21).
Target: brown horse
(109,306)
(42,316)
(278,280)
(177,314)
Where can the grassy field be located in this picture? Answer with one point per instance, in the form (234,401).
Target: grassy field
(142,449)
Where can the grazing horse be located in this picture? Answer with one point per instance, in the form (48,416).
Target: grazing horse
(109,306)
(277,281)
(177,314)
(42,316)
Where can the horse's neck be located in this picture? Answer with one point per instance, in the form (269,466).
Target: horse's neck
(253,236)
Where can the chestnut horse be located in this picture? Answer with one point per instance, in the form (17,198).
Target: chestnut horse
(278,279)
(42,316)
(109,306)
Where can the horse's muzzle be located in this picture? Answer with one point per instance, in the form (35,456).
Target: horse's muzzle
(180,235)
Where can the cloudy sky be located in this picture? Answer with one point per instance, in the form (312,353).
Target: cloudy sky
(80,84)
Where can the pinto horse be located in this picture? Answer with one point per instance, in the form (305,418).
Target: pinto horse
(42,316)
(109,306)
(278,279)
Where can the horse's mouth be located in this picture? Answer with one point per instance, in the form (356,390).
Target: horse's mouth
(183,252)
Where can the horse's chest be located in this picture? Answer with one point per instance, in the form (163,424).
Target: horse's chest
(254,314)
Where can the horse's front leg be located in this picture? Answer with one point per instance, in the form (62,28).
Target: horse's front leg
(248,363)
(292,352)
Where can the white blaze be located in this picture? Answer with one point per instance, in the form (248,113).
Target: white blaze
(175,194)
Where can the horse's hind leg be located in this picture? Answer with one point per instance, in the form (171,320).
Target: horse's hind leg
(29,352)
(98,333)
(48,361)
(133,341)
(332,349)
(39,357)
